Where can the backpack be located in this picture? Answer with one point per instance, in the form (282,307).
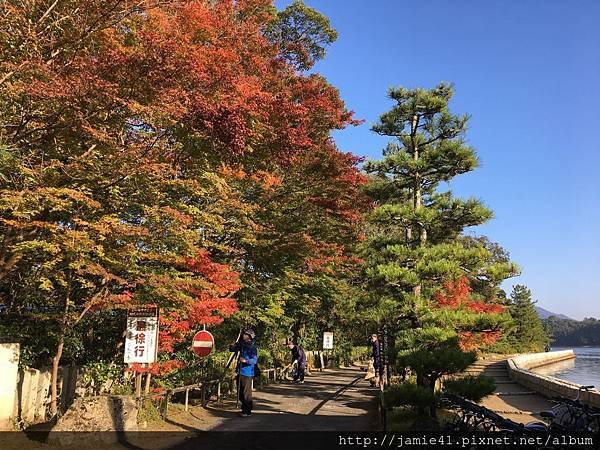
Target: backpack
(256,371)
(301,356)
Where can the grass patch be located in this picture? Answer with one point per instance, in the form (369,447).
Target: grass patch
(148,412)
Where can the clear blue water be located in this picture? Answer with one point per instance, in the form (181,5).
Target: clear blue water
(585,369)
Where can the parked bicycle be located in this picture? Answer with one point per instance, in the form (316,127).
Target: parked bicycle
(471,418)
(572,415)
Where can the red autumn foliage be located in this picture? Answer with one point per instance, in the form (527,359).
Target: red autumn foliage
(454,294)
(457,295)
(209,304)
(156,369)
(472,341)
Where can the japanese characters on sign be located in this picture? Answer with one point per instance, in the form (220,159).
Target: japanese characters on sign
(141,338)
(384,345)
(327,340)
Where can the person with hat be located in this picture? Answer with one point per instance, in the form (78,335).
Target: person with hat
(248,357)
(298,357)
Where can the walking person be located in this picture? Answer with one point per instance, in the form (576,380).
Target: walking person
(298,357)
(248,357)
(376,355)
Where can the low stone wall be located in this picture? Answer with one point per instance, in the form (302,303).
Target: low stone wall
(519,370)
(9,367)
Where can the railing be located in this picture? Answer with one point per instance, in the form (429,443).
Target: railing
(470,417)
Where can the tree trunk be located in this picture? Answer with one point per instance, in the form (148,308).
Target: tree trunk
(417,195)
(147,386)
(296,332)
(54,377)
(432,409)
(57,356)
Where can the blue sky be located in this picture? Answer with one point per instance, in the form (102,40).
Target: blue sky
(528,73)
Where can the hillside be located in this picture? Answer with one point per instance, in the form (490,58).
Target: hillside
(569,332)
(545,314)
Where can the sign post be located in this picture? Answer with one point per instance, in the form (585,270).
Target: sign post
(384,355)
(327,345)
(141,341)
(327,340)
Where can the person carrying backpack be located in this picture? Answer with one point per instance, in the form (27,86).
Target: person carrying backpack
(298,357)
(248,356)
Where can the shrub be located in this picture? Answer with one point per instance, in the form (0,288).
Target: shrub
(148,411)
(401,419)
(409,394)
(361,354)
(265,358)
(471,387)
(342,354)
(96,375)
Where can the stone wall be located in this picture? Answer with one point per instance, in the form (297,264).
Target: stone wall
(25,393)
(9,367)
(33,393)
(519,370)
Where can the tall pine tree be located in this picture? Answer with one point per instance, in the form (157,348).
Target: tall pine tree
(529,334)
(419,268)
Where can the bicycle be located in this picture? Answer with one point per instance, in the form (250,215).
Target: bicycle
(471,418)
(572,415)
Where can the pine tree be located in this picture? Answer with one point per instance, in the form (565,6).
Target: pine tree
(529,334)
(420,268)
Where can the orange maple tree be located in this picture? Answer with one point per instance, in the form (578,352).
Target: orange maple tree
(148,147)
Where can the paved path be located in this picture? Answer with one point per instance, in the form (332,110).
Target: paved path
(510,399)
(333,400)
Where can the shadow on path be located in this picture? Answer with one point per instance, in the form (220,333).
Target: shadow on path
(328,401)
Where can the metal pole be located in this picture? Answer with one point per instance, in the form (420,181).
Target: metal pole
(237,393)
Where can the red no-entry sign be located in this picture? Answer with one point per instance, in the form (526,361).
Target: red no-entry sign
(203,343)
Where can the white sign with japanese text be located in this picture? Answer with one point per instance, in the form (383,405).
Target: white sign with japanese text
(141,339)
(327,340)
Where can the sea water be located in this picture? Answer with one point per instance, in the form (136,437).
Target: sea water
(584,369)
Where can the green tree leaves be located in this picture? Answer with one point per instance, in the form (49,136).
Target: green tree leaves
(302,34)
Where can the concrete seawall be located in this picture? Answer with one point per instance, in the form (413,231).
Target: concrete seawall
(519,370)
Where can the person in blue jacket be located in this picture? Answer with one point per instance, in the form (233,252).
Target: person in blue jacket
(245,369)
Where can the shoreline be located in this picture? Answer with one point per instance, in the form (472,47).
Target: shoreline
(520,370)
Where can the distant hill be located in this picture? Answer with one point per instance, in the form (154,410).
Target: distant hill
(544,314)
(577,333)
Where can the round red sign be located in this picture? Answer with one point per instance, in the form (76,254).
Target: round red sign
(203,343)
